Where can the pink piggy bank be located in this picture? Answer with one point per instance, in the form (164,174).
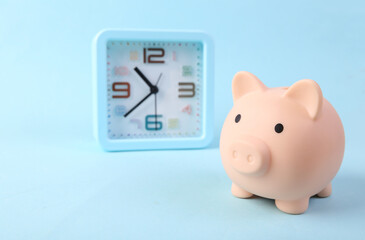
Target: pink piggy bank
(281,143)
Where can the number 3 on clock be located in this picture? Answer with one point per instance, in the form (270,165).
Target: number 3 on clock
(186,89)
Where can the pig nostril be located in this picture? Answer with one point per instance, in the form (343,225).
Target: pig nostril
(249,158)
(235,154)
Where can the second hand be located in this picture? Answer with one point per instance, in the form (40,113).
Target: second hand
(156,102)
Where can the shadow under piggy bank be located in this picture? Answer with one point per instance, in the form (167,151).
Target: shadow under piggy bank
(346,198)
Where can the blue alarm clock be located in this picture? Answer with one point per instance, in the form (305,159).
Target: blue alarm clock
(153,89)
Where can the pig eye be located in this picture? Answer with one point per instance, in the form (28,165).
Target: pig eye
(279,128)
(238,118)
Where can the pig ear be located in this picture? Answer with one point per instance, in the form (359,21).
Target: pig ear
(308,94)
(245,82)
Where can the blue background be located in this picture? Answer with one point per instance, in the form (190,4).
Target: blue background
(56,182)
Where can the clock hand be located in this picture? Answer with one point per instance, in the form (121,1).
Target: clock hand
(140,102)
(156,102)
(144,78)
(156,112)
(153,89)
(159,78)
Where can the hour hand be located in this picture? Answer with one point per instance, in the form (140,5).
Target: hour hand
(144,78)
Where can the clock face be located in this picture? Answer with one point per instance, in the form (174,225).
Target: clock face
(154,89)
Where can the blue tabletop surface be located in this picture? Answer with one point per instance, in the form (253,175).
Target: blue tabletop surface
(56,182)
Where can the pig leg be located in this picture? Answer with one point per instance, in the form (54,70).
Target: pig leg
(293,206)
(239,192)
(326,191)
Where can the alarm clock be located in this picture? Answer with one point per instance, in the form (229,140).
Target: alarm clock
(153,89)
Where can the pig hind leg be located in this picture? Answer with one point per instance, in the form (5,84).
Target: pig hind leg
(239,192)
(326,191)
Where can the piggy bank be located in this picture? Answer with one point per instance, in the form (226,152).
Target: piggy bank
(284,143)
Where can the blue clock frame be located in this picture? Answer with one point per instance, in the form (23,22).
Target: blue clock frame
(100,90)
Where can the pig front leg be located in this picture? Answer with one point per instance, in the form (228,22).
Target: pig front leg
(293,206)
(326,192)
(239,192)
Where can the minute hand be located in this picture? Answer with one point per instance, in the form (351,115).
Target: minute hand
(140,102)
(143,78)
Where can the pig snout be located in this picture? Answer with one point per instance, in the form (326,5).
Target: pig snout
(250,156)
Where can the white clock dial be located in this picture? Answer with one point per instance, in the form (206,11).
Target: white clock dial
(154,89)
